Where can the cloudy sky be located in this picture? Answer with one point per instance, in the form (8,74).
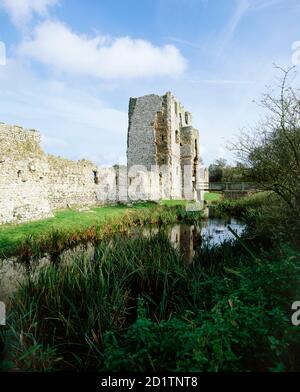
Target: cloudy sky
(71,66)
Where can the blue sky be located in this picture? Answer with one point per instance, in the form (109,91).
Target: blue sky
(72,66)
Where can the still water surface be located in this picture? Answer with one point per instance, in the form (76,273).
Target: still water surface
(188,239)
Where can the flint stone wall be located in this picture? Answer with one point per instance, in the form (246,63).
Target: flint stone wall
(23,176)
(33,184)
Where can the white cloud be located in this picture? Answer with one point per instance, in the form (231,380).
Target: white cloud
(56,45)
(21,11)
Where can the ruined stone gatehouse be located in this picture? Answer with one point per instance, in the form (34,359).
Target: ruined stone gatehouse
(161,139)
(163,162)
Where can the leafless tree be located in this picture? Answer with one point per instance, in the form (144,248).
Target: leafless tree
(272,150)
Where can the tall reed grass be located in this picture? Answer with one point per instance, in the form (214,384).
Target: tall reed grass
(135,306)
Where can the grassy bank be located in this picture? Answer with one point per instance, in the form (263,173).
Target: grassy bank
(12,235)
(256,202)
(69,227)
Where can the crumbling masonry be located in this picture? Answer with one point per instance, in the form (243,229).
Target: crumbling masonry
(160,137)
(162,140)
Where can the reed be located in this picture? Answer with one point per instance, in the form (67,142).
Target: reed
(136,306)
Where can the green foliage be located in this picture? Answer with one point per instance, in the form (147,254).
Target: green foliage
(220,171)
(246,205)
(267,216)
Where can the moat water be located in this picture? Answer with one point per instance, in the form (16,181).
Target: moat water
(188,239)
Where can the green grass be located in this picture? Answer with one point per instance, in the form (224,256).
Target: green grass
(72,226)
(12,235)
(67,220)
(211,197)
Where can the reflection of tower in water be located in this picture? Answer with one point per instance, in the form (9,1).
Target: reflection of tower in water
(187,239)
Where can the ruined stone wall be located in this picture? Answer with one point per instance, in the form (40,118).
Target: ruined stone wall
(149,139)
(106,189)
(23,176)
(177,120)
(203,181)
(184,149)
(144,185)
(157,136)
(163,148)
(141,132)
(160,134)
(162,128)
(33,185)
(82,183)
(71,183)
(190,162)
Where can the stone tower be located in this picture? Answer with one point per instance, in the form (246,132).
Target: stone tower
(161,139)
